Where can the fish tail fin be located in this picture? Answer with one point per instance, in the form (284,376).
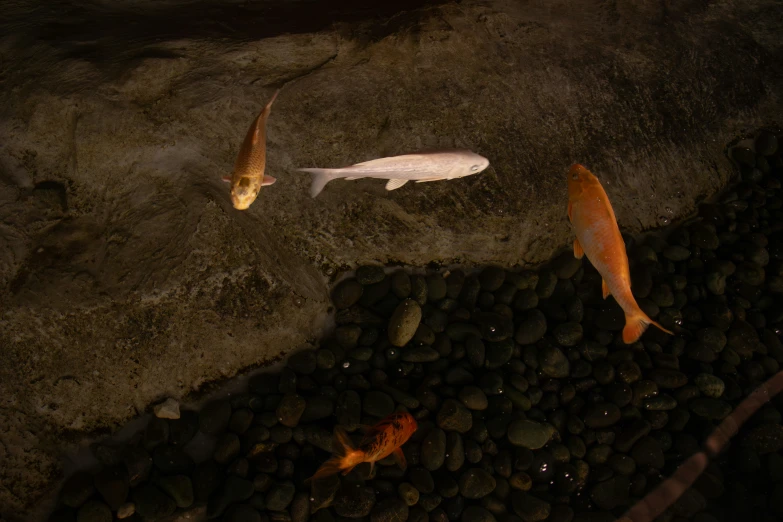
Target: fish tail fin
(344,457)
(320,178)
(636,324)
(268,107)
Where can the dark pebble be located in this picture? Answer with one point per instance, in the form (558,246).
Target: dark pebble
(213,418)
(113,484)
(290,409)
(354,501)
(454,416)
(94,511)
(152,503)
(179,488)
(476,483)
(532,327)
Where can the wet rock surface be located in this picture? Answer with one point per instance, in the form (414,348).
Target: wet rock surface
(561,427)
(144,283)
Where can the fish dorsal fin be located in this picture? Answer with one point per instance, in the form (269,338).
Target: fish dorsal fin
(394,184)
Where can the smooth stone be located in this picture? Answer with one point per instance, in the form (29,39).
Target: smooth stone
(648,452)
(408,493)
(290,409)
(433,450)
(213,418)
(473,398)
(553,362)
(475,483)
(454,416)
(611,493)
(354,501)
(530,434)
(404,322)
(168,409)
(602,415)
(179,488)
(392,509)
(113,485)
(710,385)
(707,407)
(377,404)
(152,503)
(347,293)
(280,496)
(530,508)
(532,327)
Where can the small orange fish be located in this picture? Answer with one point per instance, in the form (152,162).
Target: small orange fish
(379,441)
(598,236)
(248,176)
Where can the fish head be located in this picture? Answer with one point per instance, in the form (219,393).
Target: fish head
(244,191)
(471,164)
(579,178)
(408,424)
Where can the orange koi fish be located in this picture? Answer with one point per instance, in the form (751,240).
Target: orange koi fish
(248,176)
(598,236)
(384,439)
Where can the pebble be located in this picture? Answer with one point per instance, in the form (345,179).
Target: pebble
(213,418)
(602,415)
(126,510)
(710,385)
(354,501)
(347,293)
(532,328)
(473,398)
(179,488)
(168,409)
(392,509)
(113,484)
(152,503)
(553,362)
(475,483)
(709,408)
(530,434)
(454,416)
(290,409)
(530,508)
(404,322)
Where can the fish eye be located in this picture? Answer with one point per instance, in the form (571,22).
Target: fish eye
(575,176)
(474,168)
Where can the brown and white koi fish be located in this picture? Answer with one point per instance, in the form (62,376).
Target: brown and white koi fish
(248,176)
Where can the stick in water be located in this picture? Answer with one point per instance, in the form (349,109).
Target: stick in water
(667,493)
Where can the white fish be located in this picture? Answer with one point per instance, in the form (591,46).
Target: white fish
(419,167)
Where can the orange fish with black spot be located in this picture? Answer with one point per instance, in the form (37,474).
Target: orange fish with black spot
(379,441)
(598,236)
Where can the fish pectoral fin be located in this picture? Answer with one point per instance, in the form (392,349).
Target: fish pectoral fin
(605,288)
(354,178)
(578,250)
(394,184)
(268,180)
(399,458)
(227,179)
(427,179)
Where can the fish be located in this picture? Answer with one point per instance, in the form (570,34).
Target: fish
(248,176)
(598,236)
(379,441)
(420,167)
